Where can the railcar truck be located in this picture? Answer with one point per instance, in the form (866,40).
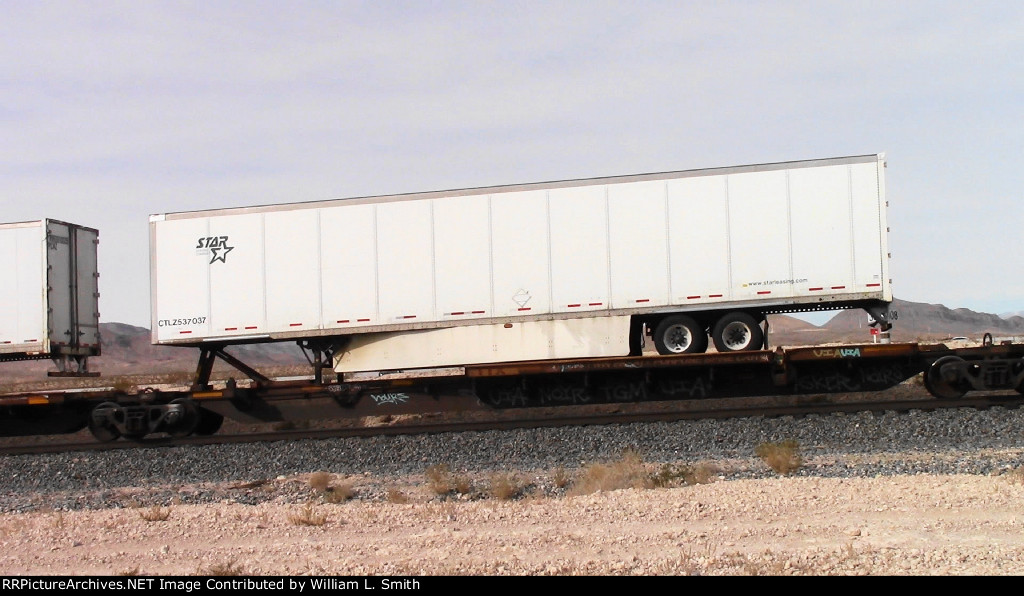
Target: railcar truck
(570,269)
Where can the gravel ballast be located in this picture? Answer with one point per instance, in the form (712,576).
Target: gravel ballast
(917,493)
(955,441)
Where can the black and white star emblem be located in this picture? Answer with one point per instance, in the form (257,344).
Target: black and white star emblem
(220,253)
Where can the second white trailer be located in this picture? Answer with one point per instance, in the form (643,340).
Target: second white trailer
(49,293)
(561,269)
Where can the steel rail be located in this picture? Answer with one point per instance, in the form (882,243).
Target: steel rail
(551,417)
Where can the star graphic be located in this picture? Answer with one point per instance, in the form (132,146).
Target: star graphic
(220,253)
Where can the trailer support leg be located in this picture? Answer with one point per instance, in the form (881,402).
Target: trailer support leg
(882,316)
(323,358)
(251,372)
(201,379)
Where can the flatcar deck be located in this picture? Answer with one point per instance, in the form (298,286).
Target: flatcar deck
(948,373)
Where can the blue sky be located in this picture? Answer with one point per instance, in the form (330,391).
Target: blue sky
(112,111)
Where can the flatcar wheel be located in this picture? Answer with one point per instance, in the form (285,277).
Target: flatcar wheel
(680,334)
(189,420)
(1016,369)
(1017,372)
(737,332)
(100,425)
(944,386)
(209,422)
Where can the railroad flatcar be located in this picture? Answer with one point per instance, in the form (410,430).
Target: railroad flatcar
(514,296)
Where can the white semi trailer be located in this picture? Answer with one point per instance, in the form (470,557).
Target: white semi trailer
(570,269)
(49,294)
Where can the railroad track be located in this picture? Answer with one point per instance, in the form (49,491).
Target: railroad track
(542,417)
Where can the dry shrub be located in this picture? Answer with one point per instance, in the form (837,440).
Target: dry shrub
(561,478)
(702,473)
(339,493)
(155,513)
(179,378)
(688,562)
(504,486)
(320,481)
(125,385)
(261,520)
(13,526)
(332,493)
(307,516)
(783,457)
(439,479)
(229,568)
(671,475)
(1016,475)
(396,496)
(462,484)
(628,472)
(442,481)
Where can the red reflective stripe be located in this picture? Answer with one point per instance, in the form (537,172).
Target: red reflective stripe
(459,313)
(715,296)
(231,329)
(251,327)
(816,289)
(874,285)
(764,292)
(295,324)
(692,297)
(838,287)
(643,300)
(407,317)
(478,312)
(184,332)
(362,320)
(343,321)
(521,309)
(574,305)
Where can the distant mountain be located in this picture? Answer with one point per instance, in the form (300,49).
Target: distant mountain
(1010,315)
(127,349)
(915,321)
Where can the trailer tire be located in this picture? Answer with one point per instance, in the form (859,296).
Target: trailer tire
(737,332)
(680,334)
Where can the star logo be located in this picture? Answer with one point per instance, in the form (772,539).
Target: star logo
(220,253)
(216,247)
